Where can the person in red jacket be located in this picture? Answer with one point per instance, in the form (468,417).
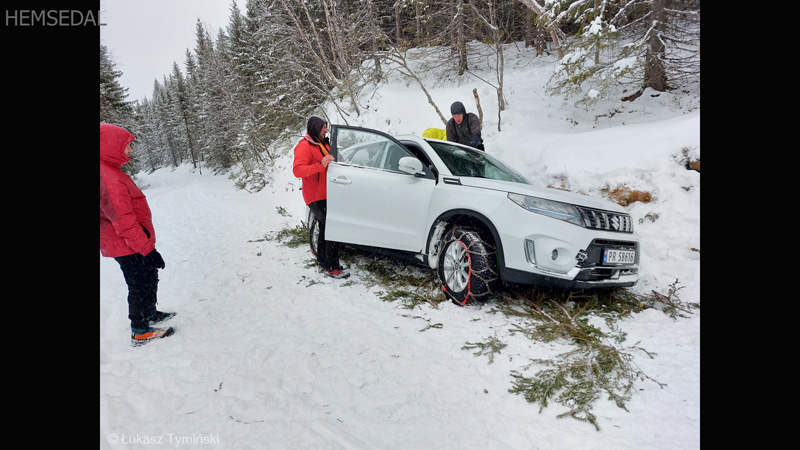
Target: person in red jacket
(128,236)
(311,159)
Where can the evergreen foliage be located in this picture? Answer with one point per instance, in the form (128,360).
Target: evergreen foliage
(596,362)
(242,97)
(114,108)
(633,44)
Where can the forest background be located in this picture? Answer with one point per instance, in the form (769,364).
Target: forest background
(236,98)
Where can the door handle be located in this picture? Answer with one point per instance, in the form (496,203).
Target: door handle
(341,180)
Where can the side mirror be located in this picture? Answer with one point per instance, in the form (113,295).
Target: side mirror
(410,165)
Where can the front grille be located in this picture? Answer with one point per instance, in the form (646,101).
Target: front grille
(606,220)
(599,273)
(627,245)
(604,274)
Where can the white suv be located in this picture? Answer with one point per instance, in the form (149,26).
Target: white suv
(470,217)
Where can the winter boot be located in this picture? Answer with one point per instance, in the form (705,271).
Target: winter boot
(159,316)
(142,336)
(337,272)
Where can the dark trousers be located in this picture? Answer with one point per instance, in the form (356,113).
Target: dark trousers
(142,288)
(327,252)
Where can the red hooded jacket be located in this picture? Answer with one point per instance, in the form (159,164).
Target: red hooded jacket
(308,166)
(124,213)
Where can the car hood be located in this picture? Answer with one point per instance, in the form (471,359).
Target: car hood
(542,192)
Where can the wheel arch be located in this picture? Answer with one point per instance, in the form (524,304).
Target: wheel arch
(474,219)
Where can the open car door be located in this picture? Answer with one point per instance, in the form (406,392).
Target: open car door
(371,201)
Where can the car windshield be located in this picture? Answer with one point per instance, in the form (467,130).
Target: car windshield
(464,162)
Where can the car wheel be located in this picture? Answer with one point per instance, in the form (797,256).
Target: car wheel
(466,267)
(313,233)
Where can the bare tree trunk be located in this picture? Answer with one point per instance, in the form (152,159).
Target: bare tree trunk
(554,32)
(478,105)
(496,39)
(323,65)
(317,50)
(535,34)
(398,27)
(339,53)
(418,29)
(460,37)
(377,73)
(597,47)
(654,73)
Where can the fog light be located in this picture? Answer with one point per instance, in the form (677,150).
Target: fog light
(554,255)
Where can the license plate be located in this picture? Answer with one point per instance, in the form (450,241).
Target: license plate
(612,256)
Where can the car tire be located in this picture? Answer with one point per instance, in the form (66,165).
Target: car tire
(467,267)
(313,233)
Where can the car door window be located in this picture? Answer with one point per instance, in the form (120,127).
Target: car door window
(363,154)
(360,147)
(393,154)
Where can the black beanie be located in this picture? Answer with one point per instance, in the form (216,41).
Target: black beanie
(314,126)
(457,108)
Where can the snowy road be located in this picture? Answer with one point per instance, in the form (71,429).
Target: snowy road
(268,354)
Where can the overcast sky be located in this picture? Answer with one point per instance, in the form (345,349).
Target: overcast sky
(146,36)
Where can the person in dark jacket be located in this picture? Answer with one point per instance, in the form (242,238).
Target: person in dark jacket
(128,236)
(464,127)
(311,159)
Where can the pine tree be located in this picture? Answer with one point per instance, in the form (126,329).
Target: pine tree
(215,101)
(114,108)
(253,85)
(634,44)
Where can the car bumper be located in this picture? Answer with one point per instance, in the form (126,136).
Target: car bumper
(546,251)
(586,279)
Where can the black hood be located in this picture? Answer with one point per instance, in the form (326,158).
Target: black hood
(314,126)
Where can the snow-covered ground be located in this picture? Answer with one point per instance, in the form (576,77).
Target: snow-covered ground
(269,354)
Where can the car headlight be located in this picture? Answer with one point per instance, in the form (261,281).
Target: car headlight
(557,210)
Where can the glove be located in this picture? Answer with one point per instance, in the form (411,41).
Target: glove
(154,260)
(475,140)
